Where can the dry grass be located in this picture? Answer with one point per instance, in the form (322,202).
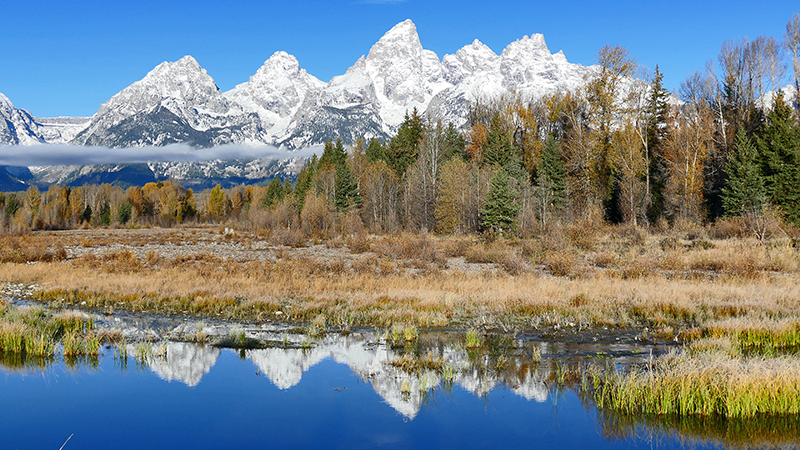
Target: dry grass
(26,248)
(629,279)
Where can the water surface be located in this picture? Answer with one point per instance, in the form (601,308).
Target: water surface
(340,392)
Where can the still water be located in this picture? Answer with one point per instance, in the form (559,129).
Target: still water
(338,392)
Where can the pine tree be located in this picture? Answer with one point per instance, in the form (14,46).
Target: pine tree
(87,214)
(11,205)
(124,212)
(304,182)
(500,210)
(499,149)
(657,174)
(551,180)
(744,193)
(274,193)
(105,214)
(375,150)
(779,144)
(404,147)
(454,143)
(333,155)
(346,195)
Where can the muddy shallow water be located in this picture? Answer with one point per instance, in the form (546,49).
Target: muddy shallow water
(365,389)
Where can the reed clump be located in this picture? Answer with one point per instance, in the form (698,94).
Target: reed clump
(35,333)
(705,384)
(759,335)
(418,364)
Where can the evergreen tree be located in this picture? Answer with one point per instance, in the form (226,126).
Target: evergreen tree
(404,147)
(454,143)
(346,194)
(124,212)
(499,149)
(87,214)
(12,205)
(375,150)
(657,117)
(779,145)
(274,193)
(304,182)
(333,155)
(288,189)
(551,177)
(500,209)
(744,192)
(105,214)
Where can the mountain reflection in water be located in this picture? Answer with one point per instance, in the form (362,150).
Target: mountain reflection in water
(403,390)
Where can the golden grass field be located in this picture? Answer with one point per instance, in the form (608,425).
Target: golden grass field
(622,278)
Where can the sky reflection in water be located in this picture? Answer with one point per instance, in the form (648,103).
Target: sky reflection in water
(340,394)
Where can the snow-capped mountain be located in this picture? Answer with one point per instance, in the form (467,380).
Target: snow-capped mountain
(175,102)
(276,92)
(17,126)
(282,104)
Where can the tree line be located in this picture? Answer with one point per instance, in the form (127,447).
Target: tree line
(621,148)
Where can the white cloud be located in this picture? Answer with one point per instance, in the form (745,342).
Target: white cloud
(57,154)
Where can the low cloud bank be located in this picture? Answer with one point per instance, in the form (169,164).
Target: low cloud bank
(58,154)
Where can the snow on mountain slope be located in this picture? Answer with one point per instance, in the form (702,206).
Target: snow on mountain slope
(175,102)
(60,130)
(276,91)
(404,74)
(17,126)
(281,104)
(525,67)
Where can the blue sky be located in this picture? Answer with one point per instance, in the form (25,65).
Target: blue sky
(68,57)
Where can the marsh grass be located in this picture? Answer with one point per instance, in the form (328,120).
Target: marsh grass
(402,334)
(757,335)
(318,327)
(418,364)
(472,339)
(32,332)
(704,384)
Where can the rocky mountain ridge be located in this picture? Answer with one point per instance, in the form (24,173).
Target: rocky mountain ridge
(284,106)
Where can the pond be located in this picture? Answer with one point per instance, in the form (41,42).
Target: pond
(333,391)
(359,390)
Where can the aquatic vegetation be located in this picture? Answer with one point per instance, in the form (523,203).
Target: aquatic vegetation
(33,332)
(703,384)
(318,326)
(472,339)
(417,364)
(403,334)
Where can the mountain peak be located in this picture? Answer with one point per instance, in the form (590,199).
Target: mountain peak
(279,64)
(532,46)
(184,69)
(5,103)
(404,28)
(402,37)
